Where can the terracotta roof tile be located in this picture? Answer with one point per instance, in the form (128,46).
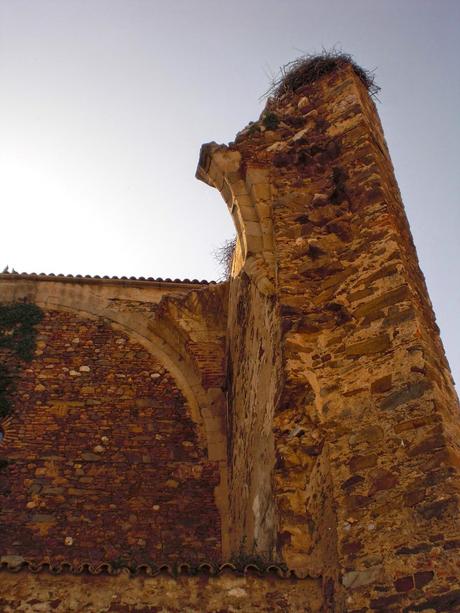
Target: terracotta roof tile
(17,563)
(60,277)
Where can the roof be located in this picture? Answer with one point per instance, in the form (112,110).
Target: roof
(42,276)
(14,563)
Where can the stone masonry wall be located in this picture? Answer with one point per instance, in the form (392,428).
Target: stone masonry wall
(254,362)
(361,334)
(366,428)
(340,457)
(105,461)
(251,593)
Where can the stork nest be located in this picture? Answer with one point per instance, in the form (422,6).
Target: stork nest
(311,67)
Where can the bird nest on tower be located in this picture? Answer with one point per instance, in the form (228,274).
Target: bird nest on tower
(308,68)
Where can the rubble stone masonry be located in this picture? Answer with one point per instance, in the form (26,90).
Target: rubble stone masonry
(365,422)
(101,447)
(298,422)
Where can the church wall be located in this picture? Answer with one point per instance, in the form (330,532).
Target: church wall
(105,463)
(360,332)
(251,593)
(338,458)
(253,382)
(366,425)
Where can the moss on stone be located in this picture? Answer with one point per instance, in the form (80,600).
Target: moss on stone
(17,337)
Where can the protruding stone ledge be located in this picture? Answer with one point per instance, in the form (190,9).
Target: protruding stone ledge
(248,196)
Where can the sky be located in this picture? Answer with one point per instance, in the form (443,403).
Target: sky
(104,105)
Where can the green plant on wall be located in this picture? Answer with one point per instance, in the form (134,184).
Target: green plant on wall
(17,339)
(5,381)
(270,121)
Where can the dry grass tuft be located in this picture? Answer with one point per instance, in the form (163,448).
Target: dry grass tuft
(224,257)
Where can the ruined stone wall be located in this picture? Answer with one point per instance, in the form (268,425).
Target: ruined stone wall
(362,337)
(333,452)
(366,427)
(105,463)
(253,364)
(103,432)
(250,593)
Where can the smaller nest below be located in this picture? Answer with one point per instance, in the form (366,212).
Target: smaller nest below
(309,68)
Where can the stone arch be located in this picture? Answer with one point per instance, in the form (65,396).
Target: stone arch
(247,192)
(135,328)
(167,338)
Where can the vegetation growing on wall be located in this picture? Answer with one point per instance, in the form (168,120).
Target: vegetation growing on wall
(17,339)
(224,256)
(270,121)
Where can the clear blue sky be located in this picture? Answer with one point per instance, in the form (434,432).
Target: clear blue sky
(104,105)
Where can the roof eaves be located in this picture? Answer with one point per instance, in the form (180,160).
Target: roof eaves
(98,279)
(17,563)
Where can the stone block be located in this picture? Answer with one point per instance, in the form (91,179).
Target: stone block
(369,346)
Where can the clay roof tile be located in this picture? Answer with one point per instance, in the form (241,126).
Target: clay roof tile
(61,276)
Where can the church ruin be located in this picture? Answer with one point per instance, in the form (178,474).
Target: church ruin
(287,440)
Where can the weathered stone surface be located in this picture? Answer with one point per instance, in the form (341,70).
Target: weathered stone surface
(358,578)
(98,492)
(404,584)
(29,593)
(369,346)
(301,414)
(445,602)
(422,578)
(410,392)
(381,385)
(362,366)
(253,366)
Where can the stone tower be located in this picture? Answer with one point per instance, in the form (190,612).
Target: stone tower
(344,424)
(284,441)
